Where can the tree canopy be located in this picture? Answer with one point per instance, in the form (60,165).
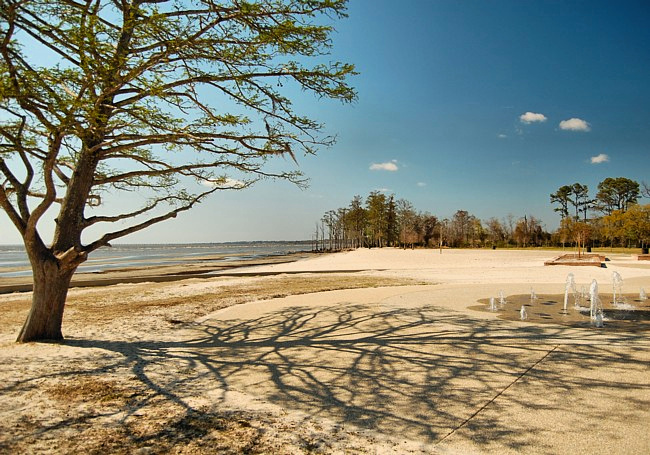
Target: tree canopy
(622,219)
(133,84)
(173,99)
(617,194)
(577,195)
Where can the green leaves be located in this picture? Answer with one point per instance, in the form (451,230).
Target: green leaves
(133,96)
(617,194)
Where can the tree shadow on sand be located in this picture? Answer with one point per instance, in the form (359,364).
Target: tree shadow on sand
(427,374)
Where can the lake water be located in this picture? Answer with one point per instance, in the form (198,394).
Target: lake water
(13,260)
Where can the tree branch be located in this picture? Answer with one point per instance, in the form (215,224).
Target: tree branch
(111,219)
(14,216)
(107,238)
(50,189)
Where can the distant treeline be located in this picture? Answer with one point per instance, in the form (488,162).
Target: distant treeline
(613,217)
(383,220)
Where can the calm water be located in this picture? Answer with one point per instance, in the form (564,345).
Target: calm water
(13,256)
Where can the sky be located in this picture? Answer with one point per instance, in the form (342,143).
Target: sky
(487,107)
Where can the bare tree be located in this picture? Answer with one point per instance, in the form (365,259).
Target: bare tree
(429,227)
(134,99)
(496,231)
(461,228)
(645,189)
(529,232)
(406,218)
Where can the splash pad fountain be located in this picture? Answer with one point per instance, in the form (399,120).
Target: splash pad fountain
(595,308)
(617,286)
(570,286)
(592,309)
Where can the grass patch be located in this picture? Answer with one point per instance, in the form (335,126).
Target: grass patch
(91,390)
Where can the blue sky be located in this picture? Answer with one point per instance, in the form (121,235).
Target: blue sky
(484,106)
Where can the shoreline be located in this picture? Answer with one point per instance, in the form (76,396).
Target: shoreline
(202,268)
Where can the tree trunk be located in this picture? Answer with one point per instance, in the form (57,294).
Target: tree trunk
(48,300)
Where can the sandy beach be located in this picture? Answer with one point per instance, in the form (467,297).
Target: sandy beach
(368,351)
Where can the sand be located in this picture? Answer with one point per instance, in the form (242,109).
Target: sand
(255,362)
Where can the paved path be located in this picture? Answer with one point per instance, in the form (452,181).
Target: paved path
(415,364)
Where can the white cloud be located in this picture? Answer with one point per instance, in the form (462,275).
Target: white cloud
(234,183)
(388,166)
(531,117)
(574,124)
(422,184)
(502,136)
(602,158)
(225,183)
